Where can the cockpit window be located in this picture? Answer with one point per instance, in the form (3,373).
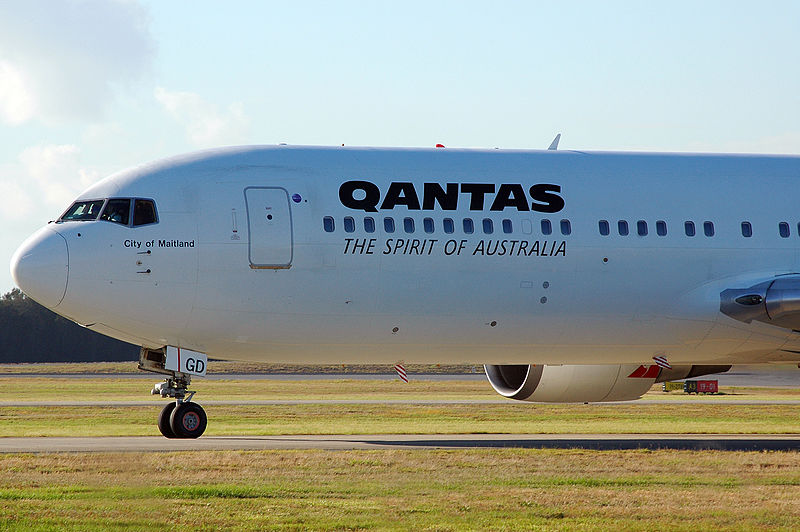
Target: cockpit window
(117,211)
(144,212)
(81,211)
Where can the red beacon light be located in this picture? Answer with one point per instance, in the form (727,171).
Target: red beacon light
(440,145)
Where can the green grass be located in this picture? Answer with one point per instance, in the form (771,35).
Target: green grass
(499,489)
(31,388)
(699,416)
(34,388)
(412,419)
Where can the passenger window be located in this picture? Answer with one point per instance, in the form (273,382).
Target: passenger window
(622,228)
(507,226)
(602,225)
(388,225)
(469,227)
(408,225)
(547,227)
(641,228)
(82,211)
(144,212)
(708,228)
(661,228)
(448,225)
(117,211)
(427,225)
(488,226)
(783,229)
(689,228)
(349,224)
(747,229)
(369,224)
(566,227)
(327,224)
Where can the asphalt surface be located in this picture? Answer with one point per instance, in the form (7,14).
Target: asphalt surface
(405,441)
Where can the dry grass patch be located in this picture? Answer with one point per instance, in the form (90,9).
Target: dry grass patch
(404,489)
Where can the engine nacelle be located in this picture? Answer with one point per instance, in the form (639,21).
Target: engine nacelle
(584,383)
(776,302)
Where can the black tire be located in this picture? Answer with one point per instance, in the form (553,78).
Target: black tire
(164,420)
(188,420)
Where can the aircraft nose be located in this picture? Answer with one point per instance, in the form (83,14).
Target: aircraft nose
(40,267)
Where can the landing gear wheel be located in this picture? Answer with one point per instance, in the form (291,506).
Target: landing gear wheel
(163,420)
(188,420)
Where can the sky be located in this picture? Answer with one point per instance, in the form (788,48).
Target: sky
(89,87)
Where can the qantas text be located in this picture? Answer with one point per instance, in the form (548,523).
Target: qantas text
(366,196)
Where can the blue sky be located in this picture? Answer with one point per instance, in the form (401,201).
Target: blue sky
(89,87)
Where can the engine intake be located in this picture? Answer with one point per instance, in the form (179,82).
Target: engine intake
(568,384)
(584,383)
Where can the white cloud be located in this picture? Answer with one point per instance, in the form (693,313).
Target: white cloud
(54,173)
(16,201)
(16,102)
(64,59)
(205,124)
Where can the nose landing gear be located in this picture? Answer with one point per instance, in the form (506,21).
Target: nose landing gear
(181,418)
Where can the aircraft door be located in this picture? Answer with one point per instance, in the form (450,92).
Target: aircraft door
(269,224)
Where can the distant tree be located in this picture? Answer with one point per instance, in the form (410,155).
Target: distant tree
(31,333)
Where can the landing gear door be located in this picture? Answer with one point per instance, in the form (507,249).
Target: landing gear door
(269,224)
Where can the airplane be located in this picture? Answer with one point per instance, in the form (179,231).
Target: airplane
(573,276)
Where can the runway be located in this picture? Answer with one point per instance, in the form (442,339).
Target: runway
(725,442)
(705,400)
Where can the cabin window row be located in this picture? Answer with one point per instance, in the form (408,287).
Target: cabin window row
(467,225)
(641,228)
(784,229)
(689,228)
(487,226)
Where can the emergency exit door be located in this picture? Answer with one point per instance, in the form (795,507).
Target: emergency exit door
(269,224)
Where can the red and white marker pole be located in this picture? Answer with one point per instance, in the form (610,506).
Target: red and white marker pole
(401,372)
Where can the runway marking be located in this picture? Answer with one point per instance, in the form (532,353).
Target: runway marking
(726,442)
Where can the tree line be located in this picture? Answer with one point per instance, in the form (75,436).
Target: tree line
(31,333)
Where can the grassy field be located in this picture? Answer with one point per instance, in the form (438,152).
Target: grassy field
(412,419)
(227,367)
(664,416)
(34,388)
(464,489)
(498,489)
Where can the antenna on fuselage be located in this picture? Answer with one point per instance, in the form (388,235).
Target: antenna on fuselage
(554,144)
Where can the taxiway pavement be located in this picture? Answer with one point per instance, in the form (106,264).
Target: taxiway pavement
(727,442)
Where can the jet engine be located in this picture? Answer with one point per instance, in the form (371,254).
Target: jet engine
(776,302)
(584,383)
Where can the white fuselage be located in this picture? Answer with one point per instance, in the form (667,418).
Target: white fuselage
(217,275)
